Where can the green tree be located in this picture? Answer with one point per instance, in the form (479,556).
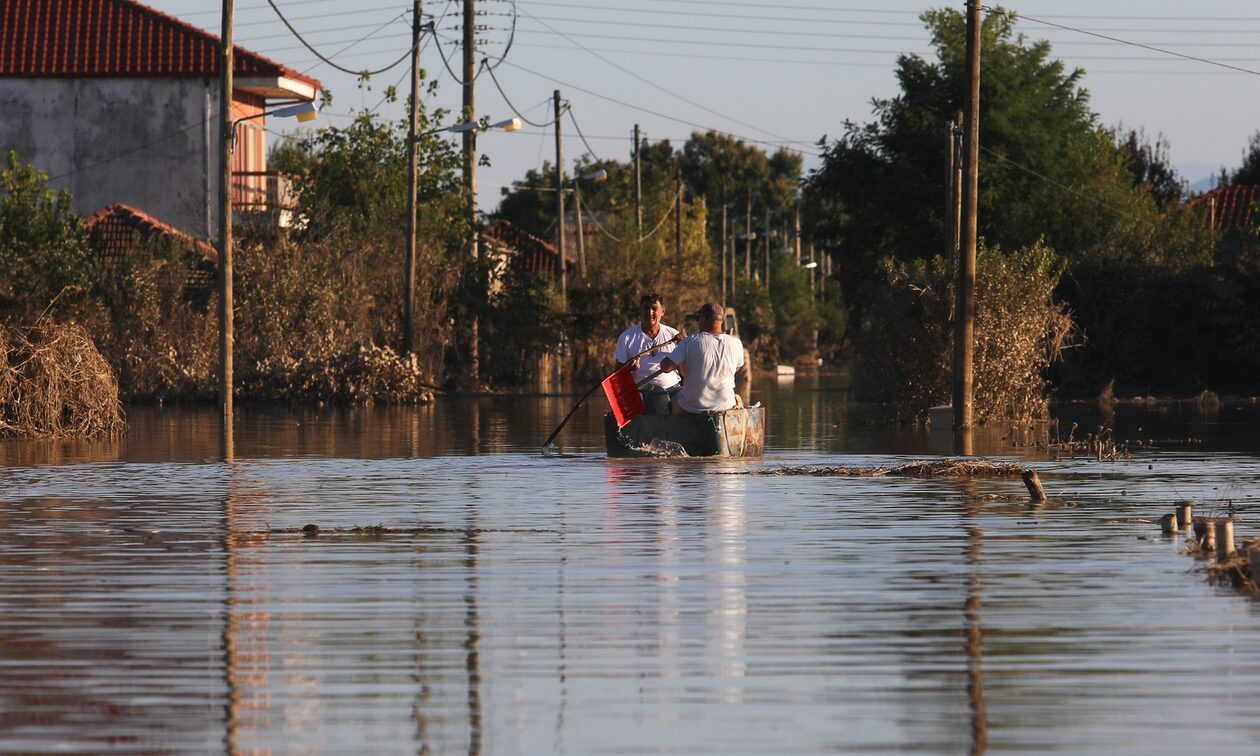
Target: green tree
(43,243)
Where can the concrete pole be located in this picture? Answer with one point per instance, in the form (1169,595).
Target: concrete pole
(226,335)
(564,277)
(470,180)
(748,240)
(964,325)
(409,298)
(765,246)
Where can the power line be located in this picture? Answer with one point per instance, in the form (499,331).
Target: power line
(1127,42)
(512,107)
(654,85)
(343,69)
(662,115)
(1004,159)
(589,148)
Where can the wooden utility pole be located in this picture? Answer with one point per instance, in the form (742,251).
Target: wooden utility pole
(226,336)
(747,241)
(957,150)
(564,278)
(581,240)
(796,231)
(638,185)
(470,179)
(409,298)
(965,309)
(678,199)
(722,247)
(765,246)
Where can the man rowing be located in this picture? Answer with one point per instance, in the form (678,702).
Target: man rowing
(650,332)
(708,362)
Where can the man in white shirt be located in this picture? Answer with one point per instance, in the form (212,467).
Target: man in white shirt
(650,332)
(708,362)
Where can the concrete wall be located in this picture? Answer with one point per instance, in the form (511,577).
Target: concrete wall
(139,141)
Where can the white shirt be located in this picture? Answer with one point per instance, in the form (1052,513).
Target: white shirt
(633,340)
(710,363)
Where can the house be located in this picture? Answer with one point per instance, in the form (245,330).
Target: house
(1228,207)
(121,233)
(515,250)
(119,103)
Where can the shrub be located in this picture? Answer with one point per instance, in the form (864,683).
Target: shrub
(906,343)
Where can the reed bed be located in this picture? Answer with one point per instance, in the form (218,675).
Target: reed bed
(55,384)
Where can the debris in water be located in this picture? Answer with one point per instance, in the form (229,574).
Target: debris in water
(941,468)
(550,450)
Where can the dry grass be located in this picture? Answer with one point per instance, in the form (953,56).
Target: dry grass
(941,468)
(55,384)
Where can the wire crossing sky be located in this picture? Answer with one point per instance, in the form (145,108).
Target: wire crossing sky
(773,73)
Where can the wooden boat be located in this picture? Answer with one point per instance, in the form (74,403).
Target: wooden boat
(739,432)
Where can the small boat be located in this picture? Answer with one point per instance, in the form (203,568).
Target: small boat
(739,432)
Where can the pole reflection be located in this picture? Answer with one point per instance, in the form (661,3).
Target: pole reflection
(975,633)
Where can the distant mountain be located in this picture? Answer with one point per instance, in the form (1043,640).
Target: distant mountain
(1209,172)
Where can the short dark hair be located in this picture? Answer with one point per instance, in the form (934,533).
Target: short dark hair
(650,298)
(711,311)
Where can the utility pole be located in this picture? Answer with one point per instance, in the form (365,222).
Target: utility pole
(564,278)
(470,180)
(965,309)
(678,198)
(748,240)
(226,336)
(796,231)
(722,247)
(638,185)
(765,246)
(409,299)
(957,149)
(577,210)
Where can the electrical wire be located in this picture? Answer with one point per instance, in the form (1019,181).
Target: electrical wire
(653,84)
(1125,42)
(589,149)
(1004,159)
(518,113)
(328,61)
(658,114)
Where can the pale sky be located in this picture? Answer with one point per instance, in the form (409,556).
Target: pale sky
(779,71)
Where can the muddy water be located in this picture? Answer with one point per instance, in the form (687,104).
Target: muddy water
(154,599)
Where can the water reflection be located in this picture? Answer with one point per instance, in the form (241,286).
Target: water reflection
(153,599)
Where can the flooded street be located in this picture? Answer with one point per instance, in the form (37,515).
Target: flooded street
(155,599)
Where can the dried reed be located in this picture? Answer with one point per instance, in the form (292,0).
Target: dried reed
(55,384)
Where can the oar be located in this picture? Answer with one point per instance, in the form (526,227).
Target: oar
(585,396)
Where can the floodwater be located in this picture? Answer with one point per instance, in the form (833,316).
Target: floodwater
(155,599)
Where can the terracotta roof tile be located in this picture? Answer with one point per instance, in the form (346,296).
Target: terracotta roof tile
(81,38)
(1229,206)
(531,253)
(117,229)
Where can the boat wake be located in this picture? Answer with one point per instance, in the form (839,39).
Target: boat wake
(657,447)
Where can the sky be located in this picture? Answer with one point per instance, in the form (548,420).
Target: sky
(772,72)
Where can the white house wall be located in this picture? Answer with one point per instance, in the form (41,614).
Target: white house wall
(138,141)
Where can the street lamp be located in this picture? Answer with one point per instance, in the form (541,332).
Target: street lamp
(511,124)
(303,111)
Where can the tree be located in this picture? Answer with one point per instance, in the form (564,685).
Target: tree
(1249,171)
(43,243)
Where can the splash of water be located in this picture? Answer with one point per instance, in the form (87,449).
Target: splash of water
(657,447)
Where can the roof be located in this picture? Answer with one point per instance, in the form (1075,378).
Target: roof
(533,254)
(1229,206)
(114,230)
(121,38)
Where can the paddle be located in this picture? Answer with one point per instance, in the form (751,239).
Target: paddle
(600,385)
